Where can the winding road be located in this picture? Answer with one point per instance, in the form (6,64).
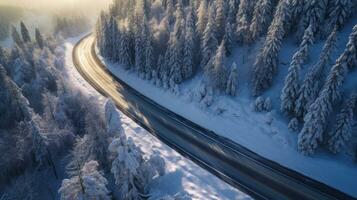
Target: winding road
(240,167)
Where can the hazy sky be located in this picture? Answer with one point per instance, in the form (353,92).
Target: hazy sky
(53,5)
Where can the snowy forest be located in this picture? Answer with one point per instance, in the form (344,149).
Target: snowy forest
(170,42)
(57,143)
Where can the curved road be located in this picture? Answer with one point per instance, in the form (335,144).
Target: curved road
(240,167)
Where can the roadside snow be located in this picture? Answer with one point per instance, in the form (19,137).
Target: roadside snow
(264,133)
(182,175)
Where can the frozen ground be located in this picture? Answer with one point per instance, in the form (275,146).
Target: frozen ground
(182,175)
(264,133)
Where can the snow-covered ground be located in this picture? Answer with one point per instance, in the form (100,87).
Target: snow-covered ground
(264,133)
(182,175)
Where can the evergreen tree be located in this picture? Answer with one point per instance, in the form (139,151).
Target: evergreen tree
(139,47)
(266,63)
(262,17)
(314,78)
(209,42)
(243,19)
(39,144)
(100,32)
(149,56)
(314,15)
(189,48)
(25,33)
(125,51)
(315,121)
(16,37)
(13,104)
(228,39)
(217,71)
(220,18)
(39,38)
(316,118)
(202,17)
(342,130)
(161,66)
(297,9)
(177,46)
(291,87)
(339,11)
(116,41)
(232,12)
(232,82)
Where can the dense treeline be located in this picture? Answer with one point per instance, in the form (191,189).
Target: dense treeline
(171,41)
(49,126)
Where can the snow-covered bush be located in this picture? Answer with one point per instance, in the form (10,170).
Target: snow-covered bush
(294,125)
(259,104)
(267,104)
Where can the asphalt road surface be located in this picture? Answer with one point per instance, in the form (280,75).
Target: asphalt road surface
(238,166)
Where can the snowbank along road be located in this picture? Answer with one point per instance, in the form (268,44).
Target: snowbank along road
(249,172)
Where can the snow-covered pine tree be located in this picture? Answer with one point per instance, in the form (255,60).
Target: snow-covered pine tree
(189,48)
(209,41)
(244,15)
(266,63)
(220,18)
(39,143)
(317,116)
(16,37)
(139,22)
(232,12)
(89,183)
(116,40)
(314,78)
(176,45)
(232,82)
(202,17)
(126,58)
(339,11)
(25,33)
(228,38)
(297,9)
(161,66)
(314,16)
(39,38)
(291,87)
(315,121)
(13,104)
(149,53)
(342,131)
(100,32)
(109,37)
(217,71)
(262,17)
